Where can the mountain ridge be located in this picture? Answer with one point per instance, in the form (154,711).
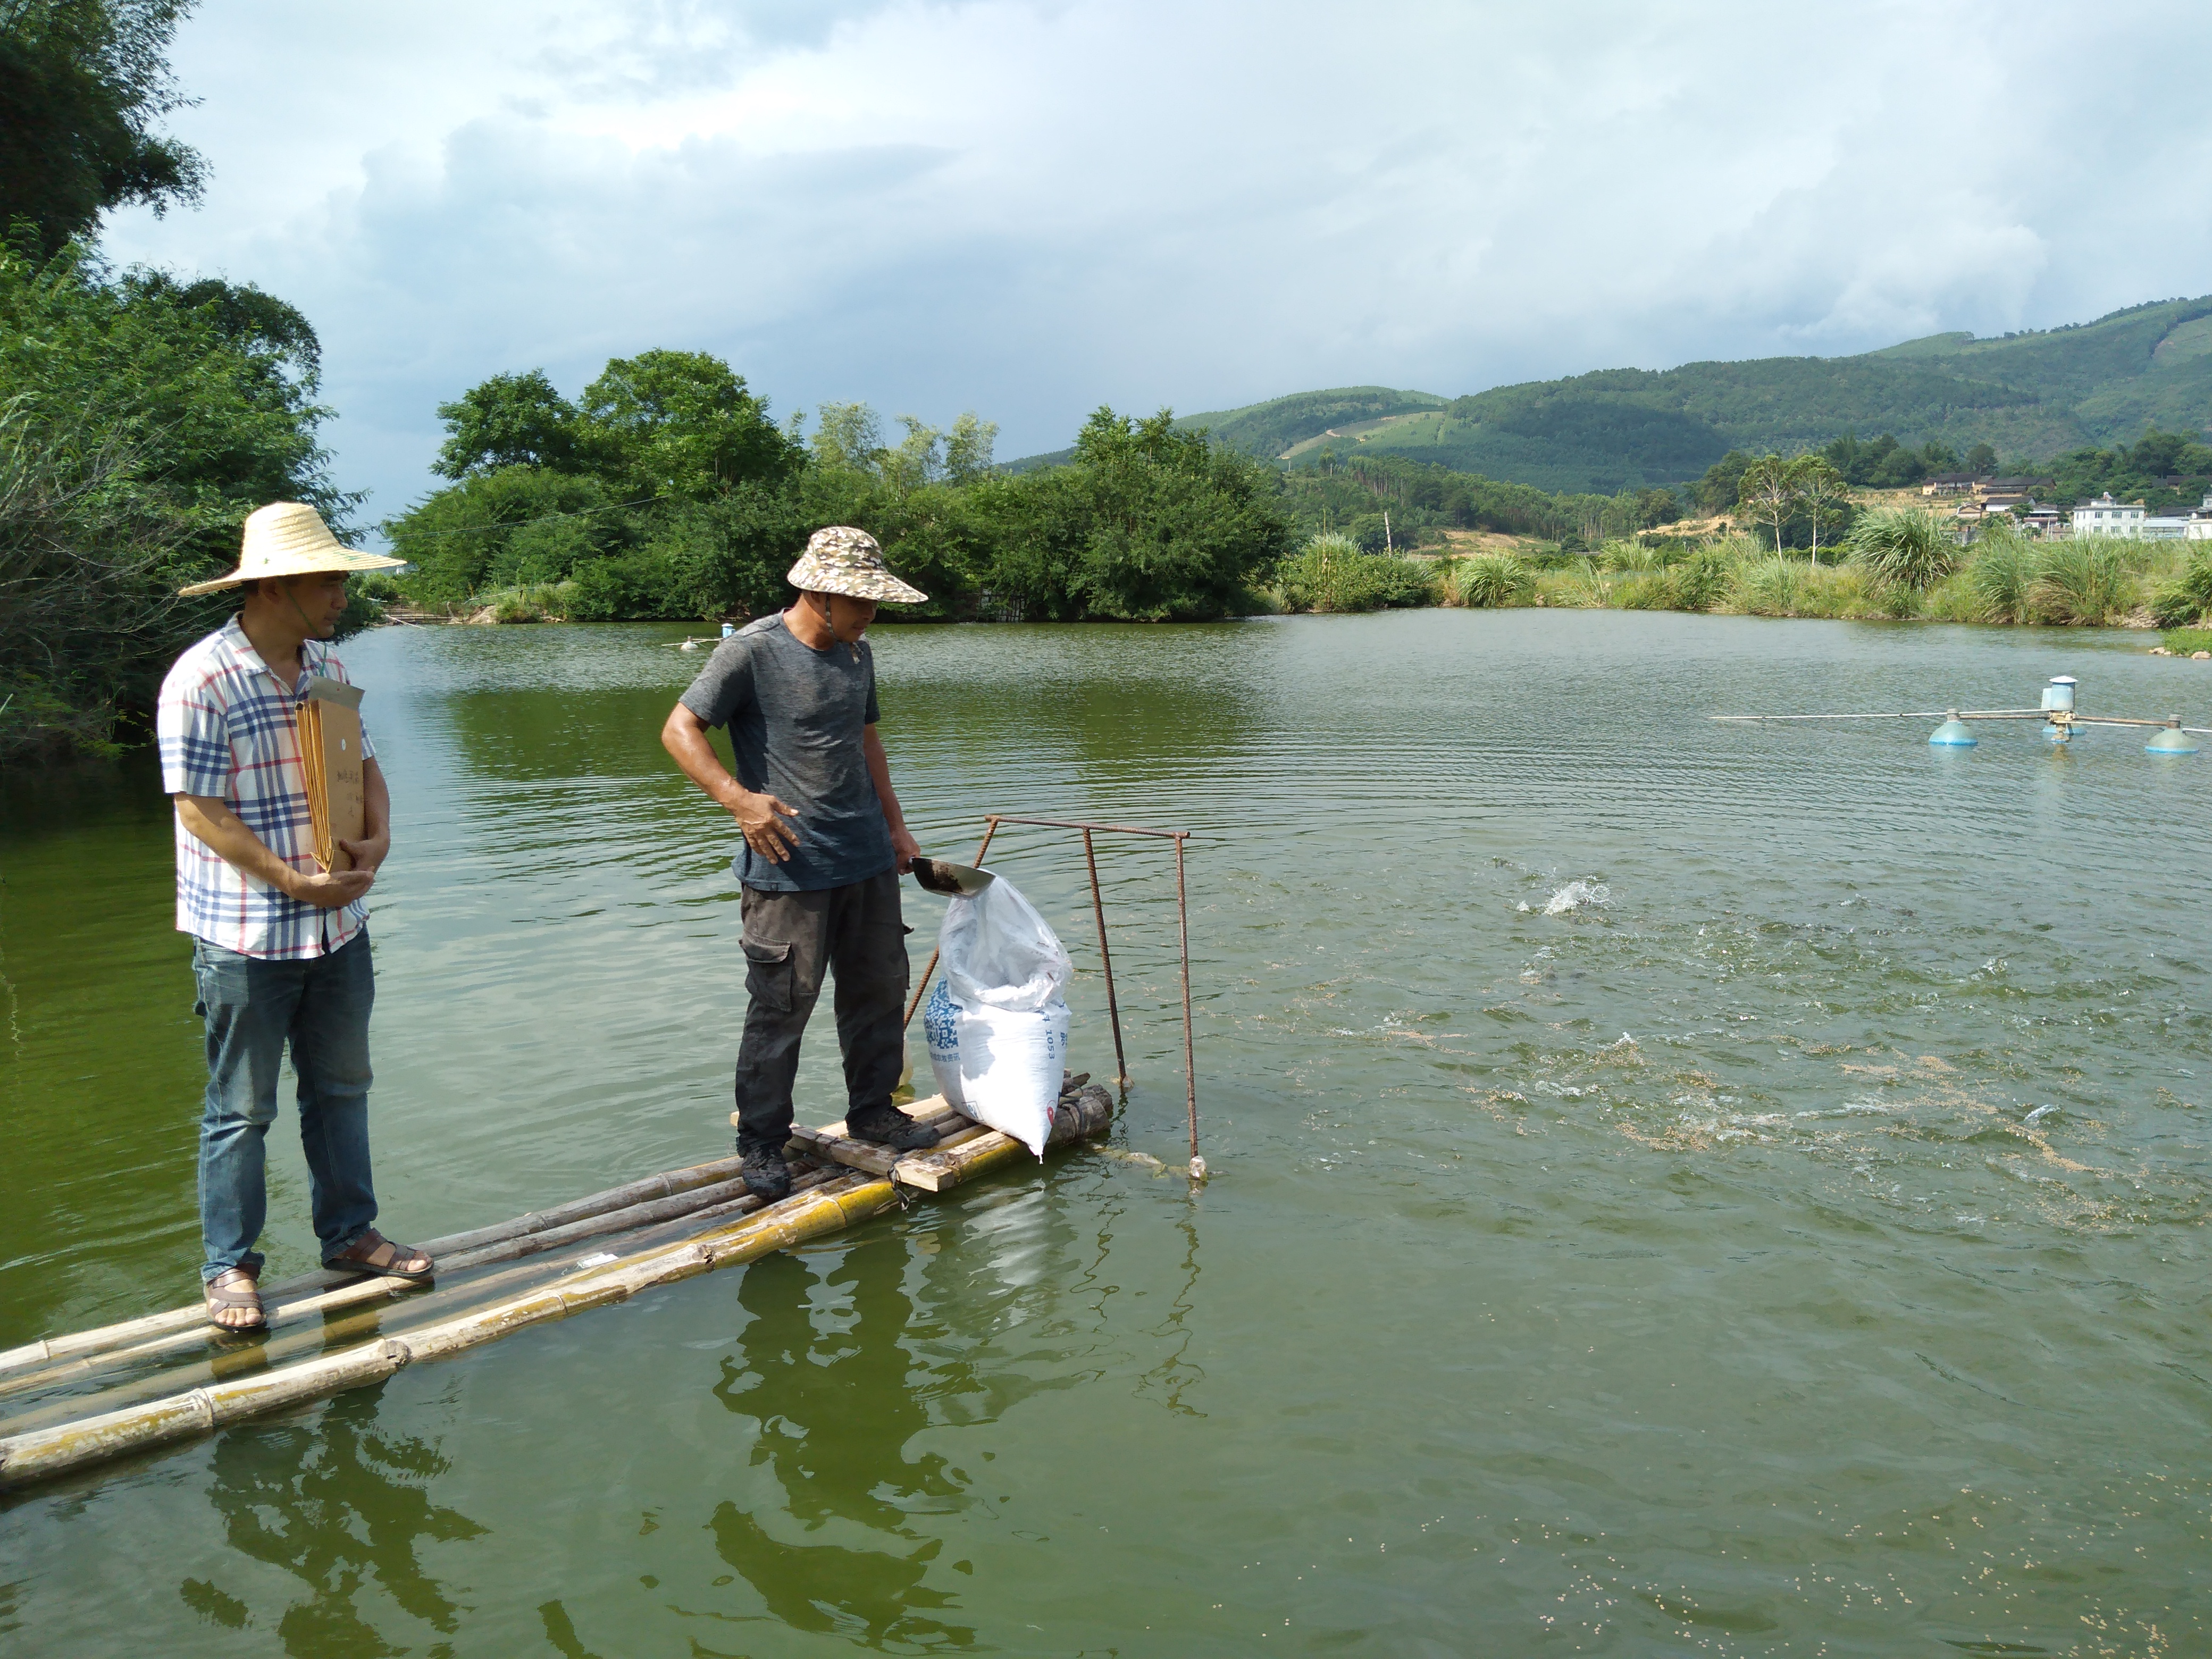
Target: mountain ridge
(2030,395)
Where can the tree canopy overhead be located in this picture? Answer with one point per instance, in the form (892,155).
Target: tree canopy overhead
(144,419)
(83,84)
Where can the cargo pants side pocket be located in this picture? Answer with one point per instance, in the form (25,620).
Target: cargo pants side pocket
(768,973)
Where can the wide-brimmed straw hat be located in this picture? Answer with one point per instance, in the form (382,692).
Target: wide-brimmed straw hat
(843,560)
(289,538)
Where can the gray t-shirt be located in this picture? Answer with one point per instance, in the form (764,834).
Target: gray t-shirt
(795,716)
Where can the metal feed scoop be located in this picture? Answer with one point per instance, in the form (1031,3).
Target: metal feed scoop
(960,880)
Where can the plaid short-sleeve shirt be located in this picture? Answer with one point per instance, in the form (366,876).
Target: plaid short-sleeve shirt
(227,727)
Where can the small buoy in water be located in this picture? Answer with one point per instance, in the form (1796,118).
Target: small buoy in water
(1953,733)
(2172,741)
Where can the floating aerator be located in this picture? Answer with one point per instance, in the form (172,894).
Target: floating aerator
(2059,717)
(1953,733)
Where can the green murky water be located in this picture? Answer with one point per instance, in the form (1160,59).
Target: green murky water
(1796,1246)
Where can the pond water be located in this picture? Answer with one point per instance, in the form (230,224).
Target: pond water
(1680,1187)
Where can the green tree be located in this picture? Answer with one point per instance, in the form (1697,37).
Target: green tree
(680,424)
(509,420)
(1981,459)
(968,448)
(1822,489)
(1721,487)
(507,528)
(848,437)
(1179,528)
(83,83)
(144,419)
(1767,490)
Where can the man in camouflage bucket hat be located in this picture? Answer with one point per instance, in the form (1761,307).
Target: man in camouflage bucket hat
(824,843)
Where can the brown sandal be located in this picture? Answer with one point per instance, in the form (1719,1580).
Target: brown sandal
(224,1292)
(373,1253)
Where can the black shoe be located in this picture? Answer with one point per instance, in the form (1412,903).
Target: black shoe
(766,1174)
(890,1126)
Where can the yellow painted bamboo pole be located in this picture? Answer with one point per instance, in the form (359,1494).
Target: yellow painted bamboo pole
(46,1453)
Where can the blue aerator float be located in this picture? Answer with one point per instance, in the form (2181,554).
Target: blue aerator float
(2060,718)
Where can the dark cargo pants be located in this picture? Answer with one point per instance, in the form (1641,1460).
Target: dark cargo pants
(855,933)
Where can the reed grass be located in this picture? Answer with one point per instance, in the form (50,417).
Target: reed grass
(1903,548)
(1489,581)
(2085,583)
(2186,596)
(1330,573)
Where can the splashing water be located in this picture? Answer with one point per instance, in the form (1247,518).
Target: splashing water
(1575,895)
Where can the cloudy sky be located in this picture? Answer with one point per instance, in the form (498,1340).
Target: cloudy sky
(1030,207)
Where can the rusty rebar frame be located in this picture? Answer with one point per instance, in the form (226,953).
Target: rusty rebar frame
(1105,956)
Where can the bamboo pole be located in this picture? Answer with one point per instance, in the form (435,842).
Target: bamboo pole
(361,1290)
(46,1453)
(415,1306)
(614,1198)
(839,1201)
(1106,960)
(1189,1053)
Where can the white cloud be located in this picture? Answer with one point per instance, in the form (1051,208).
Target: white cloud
(1031,208)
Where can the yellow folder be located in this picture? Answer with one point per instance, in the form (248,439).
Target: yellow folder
(329,749)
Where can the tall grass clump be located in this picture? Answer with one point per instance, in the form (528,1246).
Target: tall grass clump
(1701,581)
(2084,583)
(1630,556)
(1903,547)
(1490,579)
(530,602)
(1330,573)
(1768,586)
(2003,573)
(2186,596)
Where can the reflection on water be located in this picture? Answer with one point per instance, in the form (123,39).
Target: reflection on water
(823,1376)
(344,1505)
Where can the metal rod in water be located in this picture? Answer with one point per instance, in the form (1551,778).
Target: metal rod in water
(1106,957)
(1102,828)
(921,985)
(1189,1057)
(1910,715)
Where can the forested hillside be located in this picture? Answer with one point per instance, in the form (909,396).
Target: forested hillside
(2029,397)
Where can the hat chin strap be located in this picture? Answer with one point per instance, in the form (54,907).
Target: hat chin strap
(313,633)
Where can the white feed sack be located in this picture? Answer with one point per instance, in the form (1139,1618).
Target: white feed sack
(996,1025)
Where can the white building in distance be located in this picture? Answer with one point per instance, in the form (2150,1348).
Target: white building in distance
(2107,517)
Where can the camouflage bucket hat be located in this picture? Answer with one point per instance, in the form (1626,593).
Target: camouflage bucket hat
(842,560)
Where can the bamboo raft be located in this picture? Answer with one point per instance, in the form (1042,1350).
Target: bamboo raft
(170,1378)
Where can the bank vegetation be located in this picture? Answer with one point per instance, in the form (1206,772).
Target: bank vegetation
(1896,564)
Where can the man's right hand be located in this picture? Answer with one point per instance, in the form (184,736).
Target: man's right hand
(762,817)
(333,890)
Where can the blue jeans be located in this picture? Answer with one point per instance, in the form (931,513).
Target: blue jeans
(253,1006)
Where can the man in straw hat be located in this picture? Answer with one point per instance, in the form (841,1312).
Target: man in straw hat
(280,948)
(824,842)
